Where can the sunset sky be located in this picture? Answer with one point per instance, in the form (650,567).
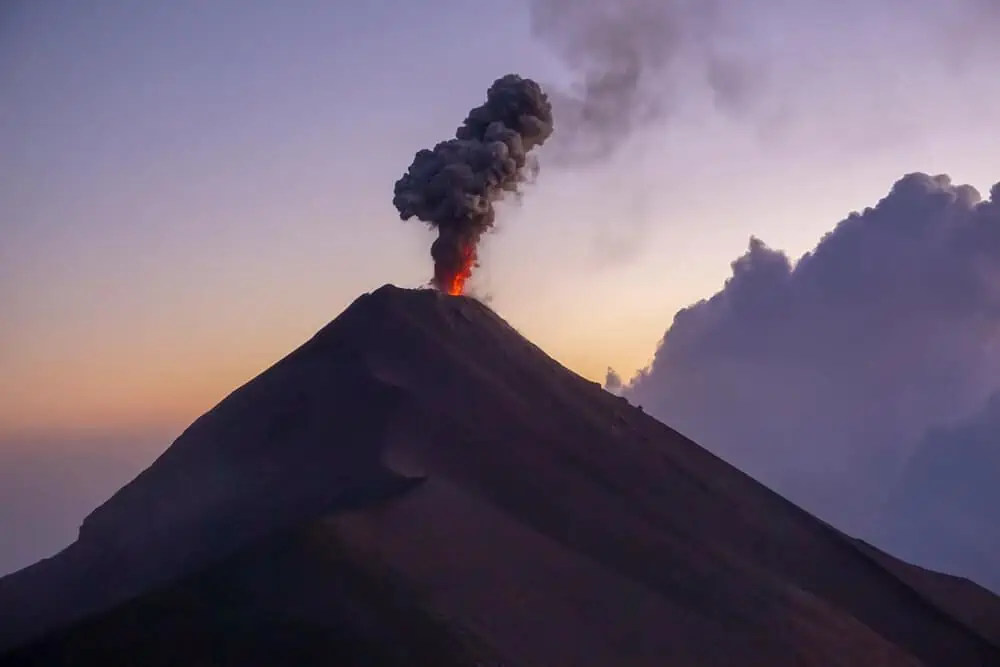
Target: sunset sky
(188,190)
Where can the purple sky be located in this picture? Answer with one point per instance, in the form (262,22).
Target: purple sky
(191,189)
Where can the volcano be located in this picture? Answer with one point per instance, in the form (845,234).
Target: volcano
(418,484)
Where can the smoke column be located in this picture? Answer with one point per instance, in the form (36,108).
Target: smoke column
(453,188)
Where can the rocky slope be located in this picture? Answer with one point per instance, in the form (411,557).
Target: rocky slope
(419,484)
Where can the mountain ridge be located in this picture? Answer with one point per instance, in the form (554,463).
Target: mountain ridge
(413,412)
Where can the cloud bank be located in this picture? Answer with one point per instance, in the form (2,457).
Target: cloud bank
(818,376)
(948,490)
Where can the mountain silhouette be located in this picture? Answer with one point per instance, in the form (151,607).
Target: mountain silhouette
(419,484)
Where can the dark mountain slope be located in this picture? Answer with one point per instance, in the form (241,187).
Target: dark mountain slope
(556,523)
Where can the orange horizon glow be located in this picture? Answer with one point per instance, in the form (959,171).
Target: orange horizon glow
(163,388)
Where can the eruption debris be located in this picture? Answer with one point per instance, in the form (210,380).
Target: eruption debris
(453,187)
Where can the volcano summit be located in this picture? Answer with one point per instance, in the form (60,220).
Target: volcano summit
(418,484)
(455,186)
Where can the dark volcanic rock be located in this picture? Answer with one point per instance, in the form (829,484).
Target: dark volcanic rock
(555,525)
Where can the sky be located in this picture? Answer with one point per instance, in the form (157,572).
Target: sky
(190,190)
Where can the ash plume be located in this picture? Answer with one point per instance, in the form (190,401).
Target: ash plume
(634,63)
(454,186)
(625,54)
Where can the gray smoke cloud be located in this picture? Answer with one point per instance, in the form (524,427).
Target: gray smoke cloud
(635,62)
(454,186)
(624,53)
(818,376)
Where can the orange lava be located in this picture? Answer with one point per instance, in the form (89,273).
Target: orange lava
(456,286)
(454,283)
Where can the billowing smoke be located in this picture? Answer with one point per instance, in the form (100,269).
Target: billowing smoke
(818,376)
(454,187)
(626,55)
(633,63)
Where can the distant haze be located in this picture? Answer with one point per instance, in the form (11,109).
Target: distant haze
(48,486)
